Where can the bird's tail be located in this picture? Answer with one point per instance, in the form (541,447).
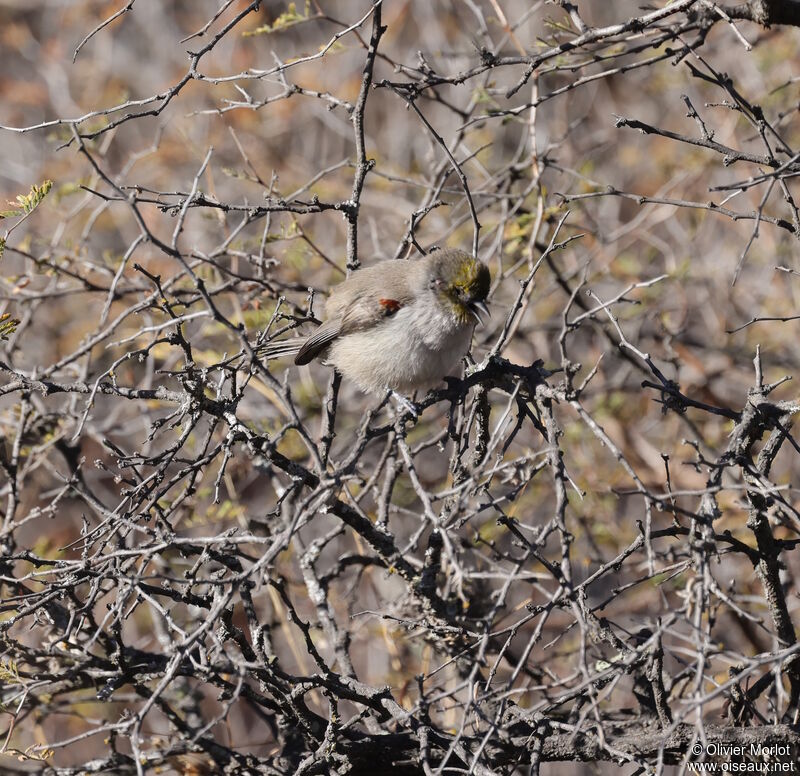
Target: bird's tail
(279,349)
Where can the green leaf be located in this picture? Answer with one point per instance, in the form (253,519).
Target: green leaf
(8,325)
(287,19)
(37,193)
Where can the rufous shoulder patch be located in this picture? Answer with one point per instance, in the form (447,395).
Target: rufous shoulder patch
(390,305)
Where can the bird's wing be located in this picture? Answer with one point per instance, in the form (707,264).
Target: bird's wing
(363,312)
(318,341)
(354,305)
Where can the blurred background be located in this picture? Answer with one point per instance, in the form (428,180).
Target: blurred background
(251,111)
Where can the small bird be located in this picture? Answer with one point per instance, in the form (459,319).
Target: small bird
(399,325)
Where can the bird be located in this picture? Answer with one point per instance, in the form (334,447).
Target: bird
(398,325)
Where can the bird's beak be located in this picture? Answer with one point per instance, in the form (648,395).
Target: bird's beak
(479,310)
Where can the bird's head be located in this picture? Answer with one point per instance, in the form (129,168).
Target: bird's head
(461,283)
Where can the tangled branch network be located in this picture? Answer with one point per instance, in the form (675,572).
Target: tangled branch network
(583,548)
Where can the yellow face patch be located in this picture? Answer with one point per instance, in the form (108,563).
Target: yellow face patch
(463,280)
(474,277)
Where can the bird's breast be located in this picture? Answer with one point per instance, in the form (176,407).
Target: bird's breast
(412,350)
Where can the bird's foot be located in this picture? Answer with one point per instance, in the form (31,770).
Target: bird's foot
(407,404)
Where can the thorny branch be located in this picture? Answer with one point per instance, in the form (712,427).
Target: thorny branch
(583,549)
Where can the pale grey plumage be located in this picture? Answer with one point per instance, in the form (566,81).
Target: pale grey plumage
(402,325)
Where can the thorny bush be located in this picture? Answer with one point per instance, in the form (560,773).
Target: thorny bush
(583,550)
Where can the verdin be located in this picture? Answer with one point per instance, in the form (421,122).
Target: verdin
(398,325)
